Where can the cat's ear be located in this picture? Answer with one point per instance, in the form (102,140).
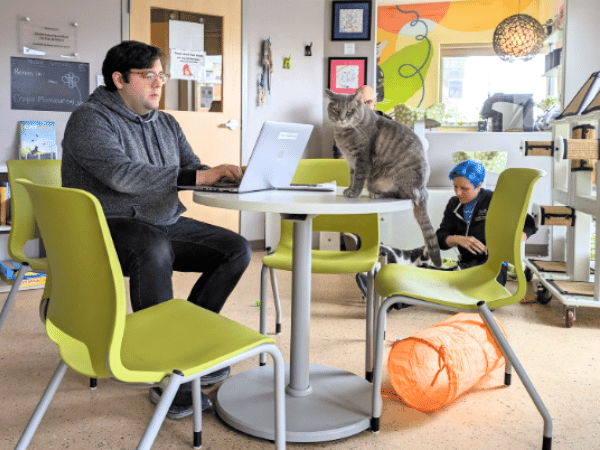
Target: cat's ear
(330,94)
(357,95)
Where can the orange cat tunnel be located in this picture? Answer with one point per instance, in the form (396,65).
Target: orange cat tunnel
(433,367)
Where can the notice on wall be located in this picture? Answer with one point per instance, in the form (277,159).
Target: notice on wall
(187,65)
(206,97)
(48,40)
(48,85)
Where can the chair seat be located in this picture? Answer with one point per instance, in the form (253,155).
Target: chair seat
(325,261)
(152,348)
(458,289)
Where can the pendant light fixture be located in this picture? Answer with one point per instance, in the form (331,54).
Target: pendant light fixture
(518,38)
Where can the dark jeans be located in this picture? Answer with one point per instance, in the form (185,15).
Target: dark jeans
(150,253)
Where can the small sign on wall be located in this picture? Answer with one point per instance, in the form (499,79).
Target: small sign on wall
(56,40)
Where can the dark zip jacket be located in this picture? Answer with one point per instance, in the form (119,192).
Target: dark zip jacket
(454,224)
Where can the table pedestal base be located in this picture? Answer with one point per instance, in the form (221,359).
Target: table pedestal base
(338,406)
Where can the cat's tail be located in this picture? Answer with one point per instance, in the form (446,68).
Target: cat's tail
(431,241)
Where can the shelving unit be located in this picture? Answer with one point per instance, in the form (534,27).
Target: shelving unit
(576,190)
(4,231)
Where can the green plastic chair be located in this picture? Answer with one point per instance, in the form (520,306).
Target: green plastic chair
(472,289)
(314,171)
(168,344)
(41,171)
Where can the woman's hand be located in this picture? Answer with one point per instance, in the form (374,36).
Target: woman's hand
(469,243)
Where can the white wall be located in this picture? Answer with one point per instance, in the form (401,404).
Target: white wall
(99,29)
(581,56)
(336,48)
(296,93)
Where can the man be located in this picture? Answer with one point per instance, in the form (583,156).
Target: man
(132,157)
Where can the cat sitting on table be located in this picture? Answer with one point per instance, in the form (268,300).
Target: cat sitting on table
(386,156)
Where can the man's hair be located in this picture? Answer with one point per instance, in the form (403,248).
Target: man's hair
(126,56)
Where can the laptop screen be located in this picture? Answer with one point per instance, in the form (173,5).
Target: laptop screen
(276,155)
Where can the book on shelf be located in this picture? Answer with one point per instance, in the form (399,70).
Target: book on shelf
(38,140)
(3,204)
(6,184)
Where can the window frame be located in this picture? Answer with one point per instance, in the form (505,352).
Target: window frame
(462,50)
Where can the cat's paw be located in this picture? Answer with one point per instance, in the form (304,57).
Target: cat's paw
(375,195)
(351,193)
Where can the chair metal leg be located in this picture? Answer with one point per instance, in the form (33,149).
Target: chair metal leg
(511,357)
(93,383)
(372,301)
(378,361)
(276,300)
(14,289)
(263,304)
(263,309)
(161,410)
(197,401)
(279,397)
(42,406)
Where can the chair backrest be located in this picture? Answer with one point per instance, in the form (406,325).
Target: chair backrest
(87,308)
(506,218)
(39,171)
(314,171)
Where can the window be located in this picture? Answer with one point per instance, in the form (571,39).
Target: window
(472,73)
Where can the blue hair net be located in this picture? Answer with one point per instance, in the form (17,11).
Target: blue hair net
(472,170)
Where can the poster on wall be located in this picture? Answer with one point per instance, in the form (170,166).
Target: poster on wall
(347,74)
(48,85)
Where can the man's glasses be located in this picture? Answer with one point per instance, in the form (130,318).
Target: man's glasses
(151,76)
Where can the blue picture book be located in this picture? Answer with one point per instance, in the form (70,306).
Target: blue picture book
(38,140)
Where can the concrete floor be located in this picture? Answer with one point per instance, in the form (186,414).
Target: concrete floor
(564,365)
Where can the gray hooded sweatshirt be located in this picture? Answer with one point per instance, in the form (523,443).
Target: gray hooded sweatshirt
(131,163)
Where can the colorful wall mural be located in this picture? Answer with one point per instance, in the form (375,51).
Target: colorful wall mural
(409,39)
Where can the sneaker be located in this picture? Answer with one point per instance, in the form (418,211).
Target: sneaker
(215,377)
(179,409)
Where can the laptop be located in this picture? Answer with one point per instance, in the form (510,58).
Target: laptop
(273,162)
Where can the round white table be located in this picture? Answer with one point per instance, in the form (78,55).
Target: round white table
(322,403)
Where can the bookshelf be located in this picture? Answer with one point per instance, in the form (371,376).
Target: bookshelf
(4,232)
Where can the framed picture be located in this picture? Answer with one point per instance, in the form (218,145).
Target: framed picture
(347,74)
(351,21)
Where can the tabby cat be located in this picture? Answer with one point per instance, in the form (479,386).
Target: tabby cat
(384,154)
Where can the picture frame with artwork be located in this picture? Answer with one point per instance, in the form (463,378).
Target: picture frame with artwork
(351,21)
(345,75)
